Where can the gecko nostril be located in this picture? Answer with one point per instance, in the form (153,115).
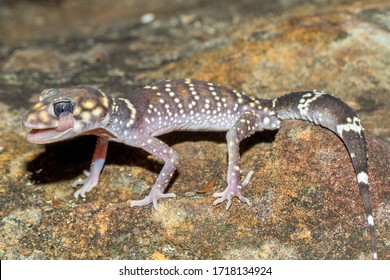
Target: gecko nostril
(27,118)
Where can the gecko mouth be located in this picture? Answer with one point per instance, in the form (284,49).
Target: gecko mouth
(47,135)
(53,134)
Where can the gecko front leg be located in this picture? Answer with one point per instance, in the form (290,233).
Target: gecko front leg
(99,157)
(161,150)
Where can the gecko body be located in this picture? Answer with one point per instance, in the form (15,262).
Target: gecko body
(190,105)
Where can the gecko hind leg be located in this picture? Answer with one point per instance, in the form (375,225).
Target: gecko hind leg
(246,125)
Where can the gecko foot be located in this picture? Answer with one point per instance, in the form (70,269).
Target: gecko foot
(87,184)
(227,195)
(233,191)
(152,197)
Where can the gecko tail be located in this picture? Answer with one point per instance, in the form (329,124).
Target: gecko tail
(332,113)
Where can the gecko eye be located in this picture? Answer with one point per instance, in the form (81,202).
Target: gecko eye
(63,106)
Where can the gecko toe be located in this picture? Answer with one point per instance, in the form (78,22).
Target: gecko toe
(219,200)
(247,178)
(245,200)
(80,193)
(153,198)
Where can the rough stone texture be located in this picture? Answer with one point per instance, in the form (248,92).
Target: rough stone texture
(305,201)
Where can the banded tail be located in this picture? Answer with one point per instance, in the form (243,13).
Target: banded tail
(332,113)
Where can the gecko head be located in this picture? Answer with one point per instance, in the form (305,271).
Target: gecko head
(65,113)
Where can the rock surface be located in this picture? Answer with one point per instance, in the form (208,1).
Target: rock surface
(305,201)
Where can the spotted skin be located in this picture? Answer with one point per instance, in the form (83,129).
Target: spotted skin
(194,106)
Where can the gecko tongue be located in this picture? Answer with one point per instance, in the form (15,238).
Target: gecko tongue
(65,121)
(47,135)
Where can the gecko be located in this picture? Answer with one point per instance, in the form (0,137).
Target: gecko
(189,105)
